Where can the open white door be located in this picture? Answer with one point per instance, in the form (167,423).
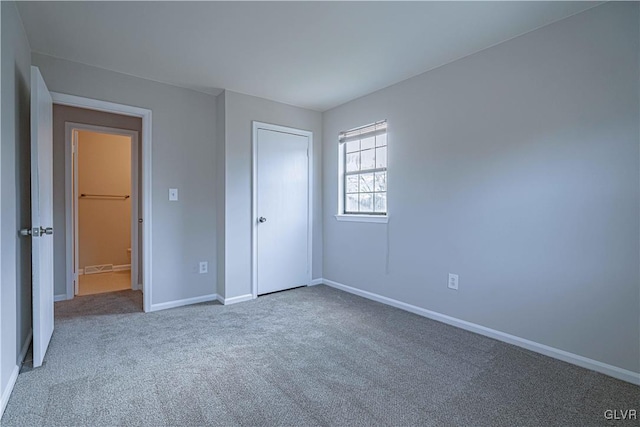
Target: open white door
(41,214)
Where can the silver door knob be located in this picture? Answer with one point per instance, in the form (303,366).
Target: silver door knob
(262,219)
(36,231)
(25,232)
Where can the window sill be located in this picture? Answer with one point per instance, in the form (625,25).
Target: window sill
(380,219)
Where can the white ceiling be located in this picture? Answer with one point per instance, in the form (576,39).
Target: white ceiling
(310,54)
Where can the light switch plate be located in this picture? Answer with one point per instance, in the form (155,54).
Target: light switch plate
(173,194)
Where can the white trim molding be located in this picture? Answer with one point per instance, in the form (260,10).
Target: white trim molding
(379,219)
(98,105)
(60,297)
(565,356)
(254,197)
(147,177)
(183,302)
(6,393)
(235,300)
(71,197)
(315,282)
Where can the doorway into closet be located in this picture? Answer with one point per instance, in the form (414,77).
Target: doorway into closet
(105,208)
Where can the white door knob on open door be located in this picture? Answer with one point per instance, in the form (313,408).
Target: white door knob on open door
(262,219)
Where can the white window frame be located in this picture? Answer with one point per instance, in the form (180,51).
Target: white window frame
(359,217)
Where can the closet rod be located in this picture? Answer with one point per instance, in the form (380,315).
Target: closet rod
(110,196)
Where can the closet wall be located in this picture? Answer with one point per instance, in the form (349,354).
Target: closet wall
(104,222)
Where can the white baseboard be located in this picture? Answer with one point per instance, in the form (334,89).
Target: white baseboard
(60,297)
(6,393)
(25,346)
(315,282)
(182,302)
(122,267)
(235,300)
(575,359)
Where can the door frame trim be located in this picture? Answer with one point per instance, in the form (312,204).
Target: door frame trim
(71,194)
(254,197)
(146,140)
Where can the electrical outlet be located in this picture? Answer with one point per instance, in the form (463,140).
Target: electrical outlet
(453,281)
(204,267)
(173,194)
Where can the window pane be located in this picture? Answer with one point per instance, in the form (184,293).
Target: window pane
(353,146)
(352,203)
(367,143)
(353,162)
(352,184)
(366,183)
(380,181)
(381,157)
(367,159)
(366,202)
(364,172)
(381,202)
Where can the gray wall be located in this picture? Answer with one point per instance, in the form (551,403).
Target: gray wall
(182,156)
(15,203)
(518,169)
(221,137)
(61,115)
(241,110)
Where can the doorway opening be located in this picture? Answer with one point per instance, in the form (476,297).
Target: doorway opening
(111,115)
(104,205)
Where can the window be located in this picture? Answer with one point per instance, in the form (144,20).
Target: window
(364,170)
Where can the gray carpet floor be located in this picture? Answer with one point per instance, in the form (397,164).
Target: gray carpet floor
(305,357)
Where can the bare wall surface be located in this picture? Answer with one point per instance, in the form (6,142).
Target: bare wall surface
(183,131)
(518,169)
(221,138)
(241,111)
(61,115)
(104,223)
(15,203)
